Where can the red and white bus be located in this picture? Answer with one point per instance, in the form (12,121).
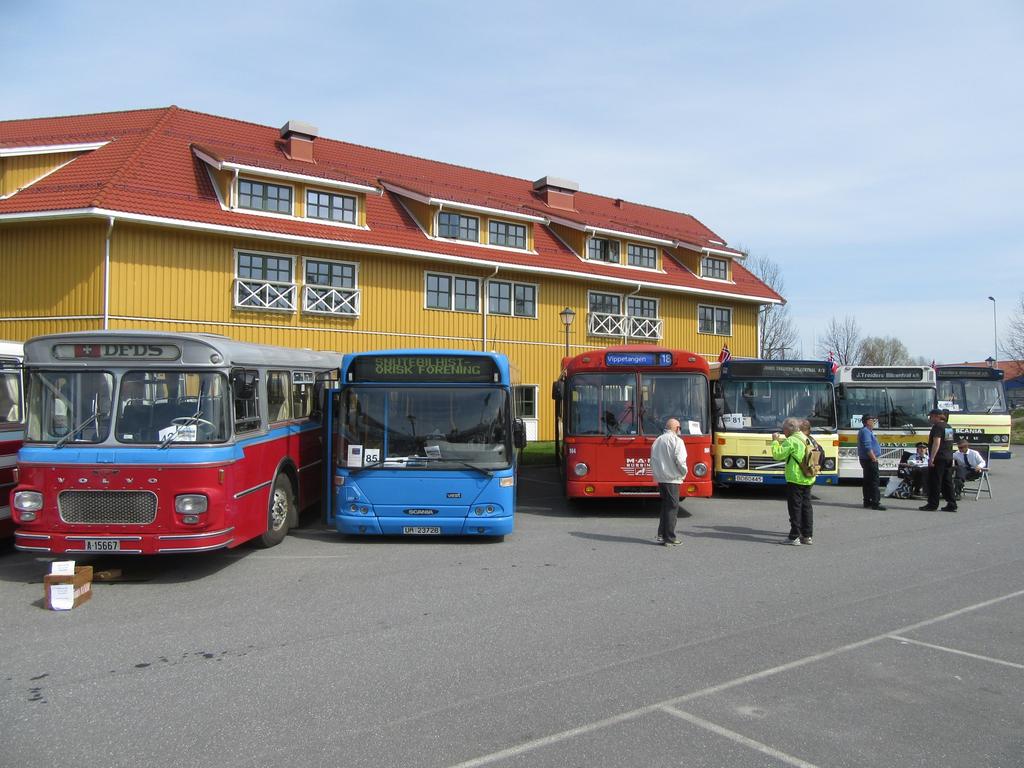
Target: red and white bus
(611,404)
(12,427)
(143,443)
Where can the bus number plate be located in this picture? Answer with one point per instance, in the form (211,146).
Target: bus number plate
(422,530)
(102,545)
(748,479)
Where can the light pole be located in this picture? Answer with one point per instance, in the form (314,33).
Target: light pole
(995,333)
(567,315)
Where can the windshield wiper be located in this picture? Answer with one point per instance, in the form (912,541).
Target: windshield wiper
(77,430)
(186,422)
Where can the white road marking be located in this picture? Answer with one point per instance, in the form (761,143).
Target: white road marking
(957,651)
(554,738)
(739,738)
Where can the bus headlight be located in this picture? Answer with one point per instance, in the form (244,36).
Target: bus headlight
(740,462)
(28,501)
(727,462)
(700,470)
(580,469)
(830,464)
(190,504)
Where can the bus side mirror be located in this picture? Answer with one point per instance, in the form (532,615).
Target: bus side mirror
(518,434)
(719,405)
(556,390)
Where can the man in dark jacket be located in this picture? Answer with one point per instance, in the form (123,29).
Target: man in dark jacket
(940,463)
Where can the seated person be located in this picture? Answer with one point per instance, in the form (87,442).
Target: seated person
(917,463)
(967,462)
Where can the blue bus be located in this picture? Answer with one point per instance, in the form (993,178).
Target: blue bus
(424,444)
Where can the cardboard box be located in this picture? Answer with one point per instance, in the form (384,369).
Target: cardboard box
(80,586)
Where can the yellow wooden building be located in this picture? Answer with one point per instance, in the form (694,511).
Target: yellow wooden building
(168,219)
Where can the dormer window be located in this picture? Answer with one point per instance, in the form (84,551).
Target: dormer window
(458,227)
(508,235)
(260,196)
(641,256)
(602,249)
(714,268)
(326,205)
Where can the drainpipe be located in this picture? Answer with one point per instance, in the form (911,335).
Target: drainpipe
(483,298)
(625,333)
(106,274)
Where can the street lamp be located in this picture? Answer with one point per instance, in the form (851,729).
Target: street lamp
(567,316)
(995,334)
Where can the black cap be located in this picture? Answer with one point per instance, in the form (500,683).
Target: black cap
(936,412)
(866,416)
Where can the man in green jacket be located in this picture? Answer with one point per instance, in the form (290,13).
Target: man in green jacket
(790,447)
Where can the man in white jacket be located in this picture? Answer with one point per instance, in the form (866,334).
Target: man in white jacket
(668,466)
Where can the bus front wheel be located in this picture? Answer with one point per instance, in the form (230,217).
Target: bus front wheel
(280,512)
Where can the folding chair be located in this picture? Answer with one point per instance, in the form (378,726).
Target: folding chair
(979,485)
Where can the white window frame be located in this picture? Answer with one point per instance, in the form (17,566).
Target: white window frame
(333,297)
(320,191)
(451,292)
(254,180)
(535,405)
(460,214)
(289,288)
(526,233)
(642,245)
(714,258)
(714,320)
(615,240)
(512,298)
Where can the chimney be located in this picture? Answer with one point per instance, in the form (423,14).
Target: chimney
(298,140)
(557,193)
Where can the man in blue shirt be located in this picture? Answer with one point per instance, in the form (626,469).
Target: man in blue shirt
(868,451)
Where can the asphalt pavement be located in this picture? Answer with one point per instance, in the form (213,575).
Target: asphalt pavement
(897,639)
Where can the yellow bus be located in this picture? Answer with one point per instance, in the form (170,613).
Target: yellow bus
(899,396)
(752,397)
(976,401)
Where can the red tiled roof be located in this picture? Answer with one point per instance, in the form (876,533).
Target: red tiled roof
(148,167)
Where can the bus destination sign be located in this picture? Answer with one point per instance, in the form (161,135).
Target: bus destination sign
(106,351)
(464,369)
(777,370)
(887,374)
(969,372)
(639,359)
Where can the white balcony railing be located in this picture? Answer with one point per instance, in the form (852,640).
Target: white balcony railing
(324,300)
(624,326)
(264,294)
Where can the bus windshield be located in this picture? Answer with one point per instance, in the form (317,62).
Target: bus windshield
(10,398)
(172,407)
(762,405)
(432,427)
(665,396)
(69,406)
(895,407)
(972,396)
(602,404)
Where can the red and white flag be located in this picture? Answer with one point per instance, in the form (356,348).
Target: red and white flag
(725,355)
(832,360)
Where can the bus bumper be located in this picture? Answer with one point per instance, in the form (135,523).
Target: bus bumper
(740,478)
(53,542)
(1003,454)
(580,489)
(369,525)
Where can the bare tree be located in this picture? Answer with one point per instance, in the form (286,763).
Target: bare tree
(1013,344)
(841,339)
(884,350)
(778,334)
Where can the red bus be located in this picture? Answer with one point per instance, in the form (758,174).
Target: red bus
(610,405)
(144,443)
(12,427)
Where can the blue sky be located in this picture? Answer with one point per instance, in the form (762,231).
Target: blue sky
(875,150)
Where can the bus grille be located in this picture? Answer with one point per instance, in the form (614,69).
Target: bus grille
(636,490)
(107,507)
(765,462)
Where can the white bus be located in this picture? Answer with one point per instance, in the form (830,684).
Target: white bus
(899,396)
